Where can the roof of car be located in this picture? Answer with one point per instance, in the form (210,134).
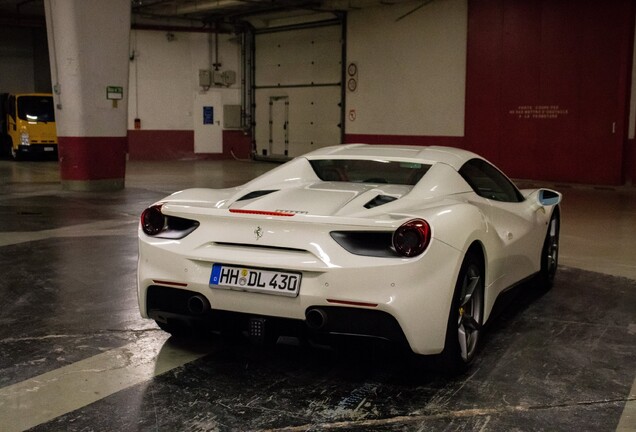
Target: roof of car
(449,155)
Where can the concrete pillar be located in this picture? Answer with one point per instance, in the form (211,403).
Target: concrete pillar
(88,46)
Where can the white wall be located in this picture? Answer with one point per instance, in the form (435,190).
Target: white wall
(87,47)
(411,72)
(164,77)
(411,78)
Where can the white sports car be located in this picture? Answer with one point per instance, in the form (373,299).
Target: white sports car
(405,243)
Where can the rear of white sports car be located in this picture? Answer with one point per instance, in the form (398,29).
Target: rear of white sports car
(407,244)
(314,258)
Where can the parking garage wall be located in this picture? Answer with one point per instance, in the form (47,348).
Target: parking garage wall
(541,88)
(409,80)
(164,109)
(411,83)
(629,165)
(548,88)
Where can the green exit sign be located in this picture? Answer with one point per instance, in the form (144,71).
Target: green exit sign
(114,93)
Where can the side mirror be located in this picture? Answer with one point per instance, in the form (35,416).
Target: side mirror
(548,197)
(541,198)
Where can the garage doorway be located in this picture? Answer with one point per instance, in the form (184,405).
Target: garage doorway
(298,96)
(278,125)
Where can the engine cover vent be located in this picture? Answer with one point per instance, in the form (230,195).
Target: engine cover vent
(379,200)
(256,194)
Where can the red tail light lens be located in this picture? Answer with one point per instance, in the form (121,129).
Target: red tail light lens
(152,220)
(412,238)
(156,224)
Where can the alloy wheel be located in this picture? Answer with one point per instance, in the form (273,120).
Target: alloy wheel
(552,250)
(469,313)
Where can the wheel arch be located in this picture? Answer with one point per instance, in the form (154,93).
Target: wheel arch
(449,358)
(477,248)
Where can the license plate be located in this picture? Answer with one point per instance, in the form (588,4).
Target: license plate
(49,149)
(255,280)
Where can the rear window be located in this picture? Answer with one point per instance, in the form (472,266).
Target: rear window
(369,171)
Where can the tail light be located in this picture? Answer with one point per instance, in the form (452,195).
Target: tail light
(155,224)
(153,221)
(412,238)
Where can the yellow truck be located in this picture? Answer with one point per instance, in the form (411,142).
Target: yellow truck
(28,124)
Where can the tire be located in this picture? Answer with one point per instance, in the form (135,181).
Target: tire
(5,145)
(550,253)
(466,316)
(15,155)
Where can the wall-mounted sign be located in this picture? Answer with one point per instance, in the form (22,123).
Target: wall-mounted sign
(540,112)
(208,115)
(352,81)
(114,93)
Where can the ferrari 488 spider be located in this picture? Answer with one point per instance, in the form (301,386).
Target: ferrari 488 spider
(405,243)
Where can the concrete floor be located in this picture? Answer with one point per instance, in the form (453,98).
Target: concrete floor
(76,356)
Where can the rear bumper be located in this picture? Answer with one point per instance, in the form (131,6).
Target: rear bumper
(171,306)
(409,297)
(416,292)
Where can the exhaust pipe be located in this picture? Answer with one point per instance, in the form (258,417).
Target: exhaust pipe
(198,305)
(316,318)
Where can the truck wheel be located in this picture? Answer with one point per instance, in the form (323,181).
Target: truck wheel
(5,146)
(15,155)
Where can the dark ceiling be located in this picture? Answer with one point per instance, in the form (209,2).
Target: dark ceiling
(218,9)
(201,12)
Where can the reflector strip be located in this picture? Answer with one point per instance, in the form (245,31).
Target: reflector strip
(261,212)
(177,284)
(352,303)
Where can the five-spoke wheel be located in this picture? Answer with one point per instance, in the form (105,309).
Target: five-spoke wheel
(466,316)
(550,253)
(469,312)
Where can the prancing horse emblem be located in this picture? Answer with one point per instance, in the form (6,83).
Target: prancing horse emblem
(259,232)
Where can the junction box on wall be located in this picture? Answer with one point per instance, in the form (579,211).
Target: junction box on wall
(209,78)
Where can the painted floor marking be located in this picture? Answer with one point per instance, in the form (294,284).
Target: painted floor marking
(42,398)
(627,422)
(101,228)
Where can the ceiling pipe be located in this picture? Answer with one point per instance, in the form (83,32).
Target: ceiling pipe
(344,5)
(197,7)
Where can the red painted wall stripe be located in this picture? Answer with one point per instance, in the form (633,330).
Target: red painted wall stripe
(630,161)
(237,144)
(92,158)
(147,144)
